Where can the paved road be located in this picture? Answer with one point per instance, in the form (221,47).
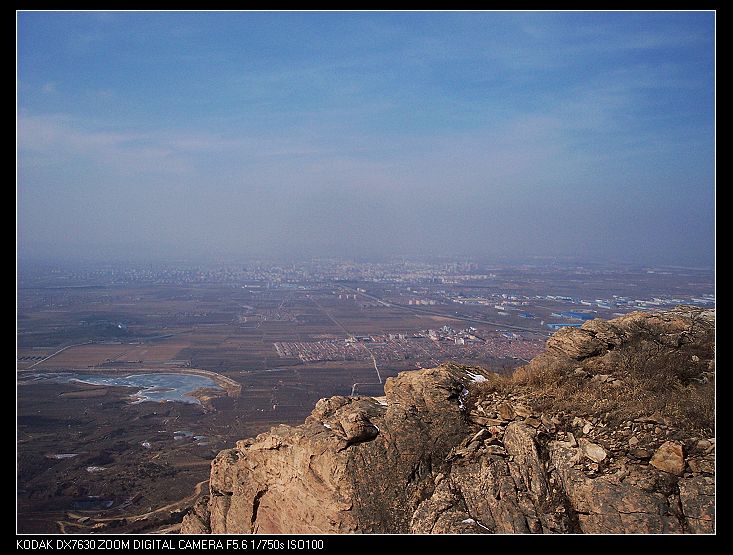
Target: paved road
(54,354)
(349,334)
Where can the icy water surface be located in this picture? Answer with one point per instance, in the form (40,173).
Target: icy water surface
(151,386)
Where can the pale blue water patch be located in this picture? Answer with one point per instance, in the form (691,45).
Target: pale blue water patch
(92,503)
(63,456)
(151,386)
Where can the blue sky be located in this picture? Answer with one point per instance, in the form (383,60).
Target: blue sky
(365,134)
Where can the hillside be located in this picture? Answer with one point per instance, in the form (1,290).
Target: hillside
(610,430)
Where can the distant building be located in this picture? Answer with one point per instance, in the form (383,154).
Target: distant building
(573,315)
(556,326)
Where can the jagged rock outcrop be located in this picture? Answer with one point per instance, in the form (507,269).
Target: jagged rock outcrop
(354,465)
(455,449)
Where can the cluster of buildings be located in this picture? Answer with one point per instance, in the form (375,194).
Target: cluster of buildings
(417,302)
(424,347)
(321,351)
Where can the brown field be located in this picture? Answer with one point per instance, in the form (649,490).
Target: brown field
(84,356)
(85,393)
(151,353)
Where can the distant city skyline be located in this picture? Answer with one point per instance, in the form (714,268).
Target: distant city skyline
(167,135)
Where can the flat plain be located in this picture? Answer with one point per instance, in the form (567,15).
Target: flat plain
(91,459)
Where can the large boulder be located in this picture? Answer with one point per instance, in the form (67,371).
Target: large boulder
(355,465)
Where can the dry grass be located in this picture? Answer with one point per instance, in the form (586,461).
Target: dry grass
(655,378)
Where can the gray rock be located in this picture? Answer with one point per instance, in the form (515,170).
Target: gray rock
(669,458)
(701,465)
(532,421)
(506,411)
(484,421)
(593,451)
(641,454)
(357,427)
(697,497)
(703,445)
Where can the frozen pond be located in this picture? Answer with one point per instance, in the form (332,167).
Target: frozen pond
(151,386)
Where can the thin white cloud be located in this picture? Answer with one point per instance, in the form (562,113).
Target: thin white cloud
(58,139)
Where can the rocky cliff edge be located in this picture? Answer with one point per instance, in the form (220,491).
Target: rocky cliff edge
(611,430)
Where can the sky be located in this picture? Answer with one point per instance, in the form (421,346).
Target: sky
(166,135)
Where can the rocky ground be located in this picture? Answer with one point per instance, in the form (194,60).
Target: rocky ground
(611,430)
